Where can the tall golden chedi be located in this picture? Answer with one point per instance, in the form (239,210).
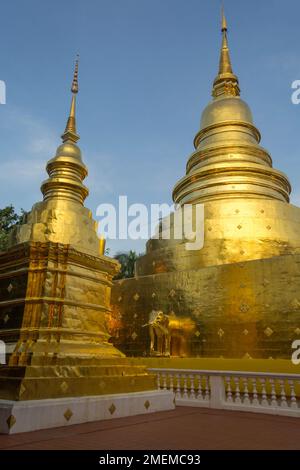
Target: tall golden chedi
(54,307)
(239,296)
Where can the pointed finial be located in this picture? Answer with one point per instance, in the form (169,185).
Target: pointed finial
(74,88)
(225,63)
(70,131)
(226,83)
(224,22)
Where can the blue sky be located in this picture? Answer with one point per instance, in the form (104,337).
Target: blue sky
(146,71)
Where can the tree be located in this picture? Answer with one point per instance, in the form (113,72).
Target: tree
(8,219)
(127,261)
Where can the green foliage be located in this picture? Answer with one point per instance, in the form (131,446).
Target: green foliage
(127,261)
(8,219)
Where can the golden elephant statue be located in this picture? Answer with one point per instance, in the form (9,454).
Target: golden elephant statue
(169,334)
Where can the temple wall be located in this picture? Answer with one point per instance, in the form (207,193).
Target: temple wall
(249,309)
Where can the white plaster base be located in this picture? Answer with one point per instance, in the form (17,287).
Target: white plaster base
(24,416)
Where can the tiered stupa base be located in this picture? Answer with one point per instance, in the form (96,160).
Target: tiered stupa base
(61,366)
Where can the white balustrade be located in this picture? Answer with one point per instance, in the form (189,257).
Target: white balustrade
(242,391)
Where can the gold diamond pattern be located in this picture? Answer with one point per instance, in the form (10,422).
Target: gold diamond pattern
(153,295)
(11,421)
(112,409)
(297,331)
(246,332)
(268,332)
(244,308)
(147,404)
(239,227)
(172,293)
(68,414)
(269,227)
(221,333)
(134,336)
(6,318)
(247,356)
(10,287)
(119,299)
(136,296)
(64,387)
(197,333)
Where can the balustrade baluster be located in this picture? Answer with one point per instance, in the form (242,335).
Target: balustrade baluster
(255,401)
(264,398)
(246,400)
(237,395)
(178,387)
(192,392)
(273,393)
(158,380)
(164,381)
(207,392)
(185,393)
(294,404)
(283,400)
(200,395)
(171,378)
(228,390)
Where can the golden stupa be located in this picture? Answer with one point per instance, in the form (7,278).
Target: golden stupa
(239,296)
(55,295)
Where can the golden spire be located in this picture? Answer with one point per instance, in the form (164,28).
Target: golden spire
(226,83)
(224,22)
(225,63)
(70,131)
(66,170)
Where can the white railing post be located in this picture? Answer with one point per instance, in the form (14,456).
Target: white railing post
(217,392)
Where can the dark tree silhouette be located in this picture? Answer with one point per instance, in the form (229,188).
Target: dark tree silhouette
(127,261)
(8,218)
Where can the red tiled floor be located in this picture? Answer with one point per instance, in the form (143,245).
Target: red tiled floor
(183,428)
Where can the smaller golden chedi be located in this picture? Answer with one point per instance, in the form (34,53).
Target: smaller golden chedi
(55,287)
